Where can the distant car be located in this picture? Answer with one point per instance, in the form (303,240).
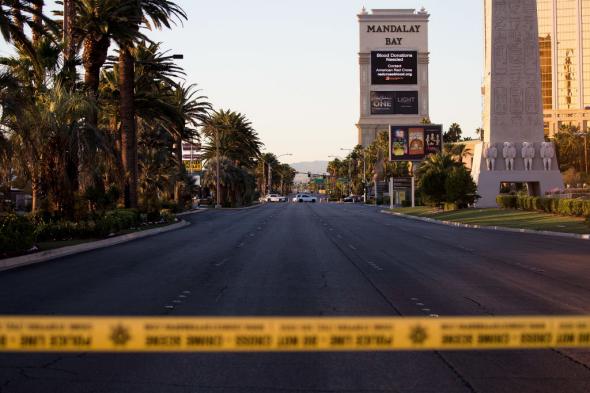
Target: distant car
(275,198)
(353,199)
(304,198)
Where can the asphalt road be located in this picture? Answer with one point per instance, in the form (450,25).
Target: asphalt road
(308,260)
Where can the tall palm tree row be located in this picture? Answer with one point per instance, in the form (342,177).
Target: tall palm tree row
(70,136)
(117,128)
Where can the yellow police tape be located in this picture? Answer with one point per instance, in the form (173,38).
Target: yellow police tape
(165,334)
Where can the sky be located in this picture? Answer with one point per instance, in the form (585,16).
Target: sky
(292,66)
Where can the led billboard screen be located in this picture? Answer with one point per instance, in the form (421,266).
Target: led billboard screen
(394,68)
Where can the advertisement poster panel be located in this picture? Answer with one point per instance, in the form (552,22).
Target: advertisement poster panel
(394,103)
(414,143)
(394,67)
(382,102)
(406,103)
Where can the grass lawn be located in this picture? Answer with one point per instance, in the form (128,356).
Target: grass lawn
(504,218)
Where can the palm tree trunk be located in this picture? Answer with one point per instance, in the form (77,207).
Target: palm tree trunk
(68,33)
(17,16)
(35,190)
(37,21)
(178,183)
(128,126)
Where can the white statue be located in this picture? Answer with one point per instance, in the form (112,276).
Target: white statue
(490,153)
(509,153)
(528,153)
(547,154)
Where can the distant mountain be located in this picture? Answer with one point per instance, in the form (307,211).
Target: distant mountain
(315,167)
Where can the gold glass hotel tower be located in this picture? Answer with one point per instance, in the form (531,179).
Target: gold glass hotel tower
(564,45)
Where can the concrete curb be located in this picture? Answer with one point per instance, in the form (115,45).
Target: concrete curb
(242,208)
(489,228)
(44,256)
(191,212)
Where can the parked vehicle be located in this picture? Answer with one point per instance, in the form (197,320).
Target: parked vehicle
(275,198)
(304,198)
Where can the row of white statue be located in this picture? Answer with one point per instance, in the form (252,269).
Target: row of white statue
(527,152)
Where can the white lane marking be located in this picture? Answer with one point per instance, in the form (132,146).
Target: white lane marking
(426,309)
(352,247)
(186,292)
(241,244)
(169,307)
(414,299)
(252,235)
(182,296)
(339,236)
(223,261)
(420,304)
(434,315)
(176,301)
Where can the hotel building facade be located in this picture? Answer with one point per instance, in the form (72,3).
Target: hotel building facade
(564,46)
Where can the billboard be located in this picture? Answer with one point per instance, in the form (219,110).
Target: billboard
(394,67)
(413,143)
(394,103)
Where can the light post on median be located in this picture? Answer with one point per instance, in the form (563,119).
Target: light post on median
(349,170)
(269,185)
(338,158)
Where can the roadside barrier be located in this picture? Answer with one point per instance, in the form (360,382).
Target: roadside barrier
(171,334)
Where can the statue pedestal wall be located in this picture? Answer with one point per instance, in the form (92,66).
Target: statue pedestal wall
(488,181)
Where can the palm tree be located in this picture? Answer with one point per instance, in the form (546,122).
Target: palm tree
(159,13)
(194,109)
(44,134)
(238,141)
(13,17)
(458,150)
(230,135)
(453,134)
(432,175)
(96,23)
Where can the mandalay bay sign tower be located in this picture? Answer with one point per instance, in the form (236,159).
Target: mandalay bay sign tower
(514,150)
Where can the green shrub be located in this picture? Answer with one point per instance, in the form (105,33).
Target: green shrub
(566,207)
(460,189)
(505,201)
(167,215)
(449,207)
(16,234)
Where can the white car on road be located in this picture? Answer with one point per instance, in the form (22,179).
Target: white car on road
(275,198)
(304,198)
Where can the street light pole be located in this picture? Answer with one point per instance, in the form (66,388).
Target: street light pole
(270,171)
(349,171)
(364,176)
(218,191)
